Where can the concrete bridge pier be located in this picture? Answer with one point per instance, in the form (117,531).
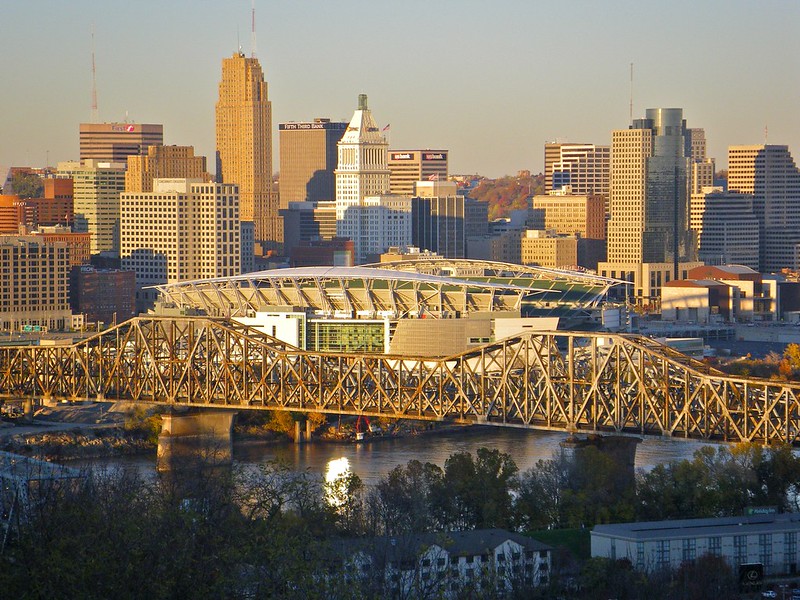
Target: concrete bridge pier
(195,439)
(622,449)
(299,438)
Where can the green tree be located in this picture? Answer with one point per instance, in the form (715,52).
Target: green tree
(27,185)
(476,492)
(402,502)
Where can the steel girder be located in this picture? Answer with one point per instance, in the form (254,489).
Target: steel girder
(548,380)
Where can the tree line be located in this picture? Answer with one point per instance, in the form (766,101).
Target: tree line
(269,532)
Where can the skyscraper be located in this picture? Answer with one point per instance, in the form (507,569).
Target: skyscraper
(769,173)
(362,167)
(115,142)
(308,160)
(365,212)
(437,218)
(184,229)
(96,189)
(649,240)
(407,167)
(244,145)
(584,167)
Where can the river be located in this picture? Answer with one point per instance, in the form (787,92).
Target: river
(373,459)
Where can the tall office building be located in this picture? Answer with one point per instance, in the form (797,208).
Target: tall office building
(115,142)
(407,167)
(649,239)
(96,189)
(163,162)
(308,160)
(769,173)
(34,277)
(726,226)
(184,229)
(437,219)
(584,167)
(244,145)
(361,168)
(365,212)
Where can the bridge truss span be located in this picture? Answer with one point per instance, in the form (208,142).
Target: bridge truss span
(547,380)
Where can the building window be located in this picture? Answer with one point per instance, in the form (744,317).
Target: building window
(640,555)
(765,550)
(689,550)
(740,549)
(790,552)
(662,554)
(715,546)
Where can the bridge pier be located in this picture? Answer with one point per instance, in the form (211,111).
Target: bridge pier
(198,438)
(621,449)
(299,438)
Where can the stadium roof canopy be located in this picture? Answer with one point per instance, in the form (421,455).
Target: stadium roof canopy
(375,291)
(561,290)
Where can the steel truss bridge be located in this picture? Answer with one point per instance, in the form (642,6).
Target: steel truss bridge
(575,382)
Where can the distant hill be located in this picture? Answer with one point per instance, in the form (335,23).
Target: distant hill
(507,193)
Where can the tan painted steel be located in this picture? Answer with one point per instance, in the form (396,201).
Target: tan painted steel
(559,380)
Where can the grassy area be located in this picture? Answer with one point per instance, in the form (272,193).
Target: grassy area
(577,541)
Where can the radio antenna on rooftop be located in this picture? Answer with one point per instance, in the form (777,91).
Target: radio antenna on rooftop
(631,106)
(94,116)
(253,31)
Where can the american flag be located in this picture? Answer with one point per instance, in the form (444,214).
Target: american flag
(434,177)
(387,127)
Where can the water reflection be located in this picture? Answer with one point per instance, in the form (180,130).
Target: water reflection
(337,469)
(374,459)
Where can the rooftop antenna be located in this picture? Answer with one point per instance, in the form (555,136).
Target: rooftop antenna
(253,32)
(94,116)
(631,106)
(766,135)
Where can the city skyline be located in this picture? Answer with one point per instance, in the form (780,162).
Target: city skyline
(490,87)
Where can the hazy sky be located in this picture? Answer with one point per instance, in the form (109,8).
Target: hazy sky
(490,81)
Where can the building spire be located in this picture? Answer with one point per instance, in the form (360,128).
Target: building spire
(362,102)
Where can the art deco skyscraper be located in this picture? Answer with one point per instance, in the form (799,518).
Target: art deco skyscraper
(244,145)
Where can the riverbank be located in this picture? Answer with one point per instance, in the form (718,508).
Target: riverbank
(99,430)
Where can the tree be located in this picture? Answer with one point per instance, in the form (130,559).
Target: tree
(792,355)
(27,185)
(539,492)
(345,495)
(476,493)
(402,502)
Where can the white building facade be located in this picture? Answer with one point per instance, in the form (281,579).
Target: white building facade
(365,212)
(768,540)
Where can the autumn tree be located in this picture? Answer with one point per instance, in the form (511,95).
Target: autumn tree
(27,185)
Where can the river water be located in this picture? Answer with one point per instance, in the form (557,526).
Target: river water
(373,459)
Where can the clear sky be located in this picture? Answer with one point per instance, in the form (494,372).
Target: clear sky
(490,81)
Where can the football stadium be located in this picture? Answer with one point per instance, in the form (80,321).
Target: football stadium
(431,307)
